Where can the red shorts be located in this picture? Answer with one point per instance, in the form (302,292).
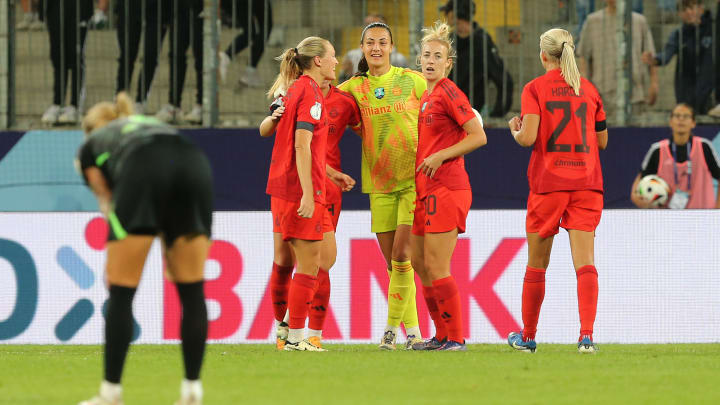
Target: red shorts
(580,210)
(333,204)
(442,211)
(292,226)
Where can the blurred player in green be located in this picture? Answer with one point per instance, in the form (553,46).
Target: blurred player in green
(389,102)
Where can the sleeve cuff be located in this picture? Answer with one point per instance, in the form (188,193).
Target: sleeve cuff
(305,125)
(600,126)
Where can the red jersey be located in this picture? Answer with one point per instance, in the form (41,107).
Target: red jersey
(565,156)
(442,115)
(342,110)
(304,109)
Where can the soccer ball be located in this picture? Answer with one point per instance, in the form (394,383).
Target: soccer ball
(654,190)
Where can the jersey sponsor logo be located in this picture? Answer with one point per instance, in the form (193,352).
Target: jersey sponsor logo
(369,111)
(316,111)
(571,163)
(380,93)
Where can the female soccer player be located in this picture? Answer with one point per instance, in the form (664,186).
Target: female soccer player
(447,130)
(389,101)
(342,111)
(563,119)
(131,164)
(296,182)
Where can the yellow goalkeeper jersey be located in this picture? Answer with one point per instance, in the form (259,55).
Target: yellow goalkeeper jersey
(389,105)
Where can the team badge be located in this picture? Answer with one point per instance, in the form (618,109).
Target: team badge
(316,111)
(380,93)
(423,107)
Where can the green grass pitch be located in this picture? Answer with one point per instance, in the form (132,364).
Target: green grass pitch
(360,374)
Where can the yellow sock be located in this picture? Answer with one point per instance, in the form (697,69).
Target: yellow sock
(401,283)
(410,317)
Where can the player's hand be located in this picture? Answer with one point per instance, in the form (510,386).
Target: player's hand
(342,180)
(652,94)
(307,206)
(648,58)
(278,113)
(431,164)
(515,125)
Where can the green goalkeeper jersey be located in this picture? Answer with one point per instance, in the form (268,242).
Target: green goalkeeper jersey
(389,105)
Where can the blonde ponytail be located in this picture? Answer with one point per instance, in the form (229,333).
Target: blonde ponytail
(558,44)
(296,60)
(104,112)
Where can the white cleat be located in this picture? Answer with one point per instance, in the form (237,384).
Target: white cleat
(302,346)
(107,390)
(191,393)
(68,115)
(50,116)
(168,114)
(195,115)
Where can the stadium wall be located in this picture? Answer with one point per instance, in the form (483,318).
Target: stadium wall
(659,275)
(36,171)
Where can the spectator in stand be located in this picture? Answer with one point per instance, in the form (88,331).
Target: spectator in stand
(687,163)
(99,19)
(598,54)
(351,59)
(31,18)
(465,27)
(67,29)
(235,15)
(693,43)
(585,7)
(185,25)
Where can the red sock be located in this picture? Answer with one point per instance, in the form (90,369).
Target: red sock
(279,285)
(448,302)
(431,302)
(532,298)
(299,297)
(587,290)
(320,301)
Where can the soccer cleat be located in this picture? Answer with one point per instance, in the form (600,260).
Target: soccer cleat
(429,344)
(586,345)
(191,400)
(412,340)
(452,346)
(315,340)
(302,346)
(516,341)
(282,334)
(388,341)
(110,394)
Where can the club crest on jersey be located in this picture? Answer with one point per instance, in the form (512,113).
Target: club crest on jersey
(380,93)
(316,111)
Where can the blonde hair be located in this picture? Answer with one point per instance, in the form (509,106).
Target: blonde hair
(558,44)
(295,60)
(440,32)
(104,112)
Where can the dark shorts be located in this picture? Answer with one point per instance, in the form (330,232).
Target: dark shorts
(164,188)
